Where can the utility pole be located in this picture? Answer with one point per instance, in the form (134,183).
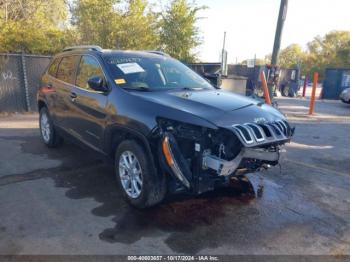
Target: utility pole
(224,57)
(272,79)
(278,35)
(224,43)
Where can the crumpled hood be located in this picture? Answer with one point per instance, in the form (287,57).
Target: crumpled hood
(219,107)
(260,113)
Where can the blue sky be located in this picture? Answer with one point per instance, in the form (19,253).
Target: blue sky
(251,25)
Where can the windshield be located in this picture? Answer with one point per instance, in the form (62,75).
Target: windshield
(153,73)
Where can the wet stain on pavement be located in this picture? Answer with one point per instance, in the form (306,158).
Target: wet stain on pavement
(188,224)
(70,156)
(86,176)
(178,216)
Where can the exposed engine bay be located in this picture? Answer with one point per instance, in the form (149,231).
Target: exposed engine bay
(201,159)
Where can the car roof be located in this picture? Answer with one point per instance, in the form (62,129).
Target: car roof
(110,52)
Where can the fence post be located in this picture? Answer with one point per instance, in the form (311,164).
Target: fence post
(25,80)
(306,80)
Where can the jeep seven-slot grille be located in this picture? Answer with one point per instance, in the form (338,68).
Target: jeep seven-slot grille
(251,133)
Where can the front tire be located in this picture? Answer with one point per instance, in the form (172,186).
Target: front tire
(137,177)
(47,129)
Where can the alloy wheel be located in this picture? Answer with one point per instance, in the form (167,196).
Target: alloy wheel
(130,173)
(45,127)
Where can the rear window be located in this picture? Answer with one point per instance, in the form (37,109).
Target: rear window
(66,69)
(53,67)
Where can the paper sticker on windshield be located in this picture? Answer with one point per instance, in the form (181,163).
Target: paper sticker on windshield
(120,81)
(130,68)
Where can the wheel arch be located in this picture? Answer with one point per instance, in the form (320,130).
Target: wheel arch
(115,134)
(157,186)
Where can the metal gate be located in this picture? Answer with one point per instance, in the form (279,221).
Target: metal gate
(19,80)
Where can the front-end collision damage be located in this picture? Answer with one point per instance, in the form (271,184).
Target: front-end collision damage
(175,160)
(226,168)
(200,159)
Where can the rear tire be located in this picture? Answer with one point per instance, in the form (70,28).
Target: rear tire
(135,169)
(48,133)
(285,91)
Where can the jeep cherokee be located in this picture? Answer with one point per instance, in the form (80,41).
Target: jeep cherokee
(166,128)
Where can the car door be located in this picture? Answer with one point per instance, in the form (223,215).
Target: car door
(63,86)
(48,86)
(89,105)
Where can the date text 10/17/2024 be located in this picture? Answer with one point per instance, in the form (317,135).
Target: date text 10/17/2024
(173,258)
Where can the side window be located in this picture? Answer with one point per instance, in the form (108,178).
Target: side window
(53,67)
(88,67)
(66,69)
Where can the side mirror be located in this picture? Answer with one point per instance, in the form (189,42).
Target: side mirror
(96,83)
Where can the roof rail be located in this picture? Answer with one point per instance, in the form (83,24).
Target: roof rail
(83,47)
(158,52)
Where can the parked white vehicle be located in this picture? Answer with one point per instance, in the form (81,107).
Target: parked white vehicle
(345,95)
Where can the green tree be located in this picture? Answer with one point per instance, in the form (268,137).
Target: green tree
(45,26)
(331,50)
(290,56)
(33,26)
(127,24)
(343,55)
(137,26)
(179,35)
(95,21)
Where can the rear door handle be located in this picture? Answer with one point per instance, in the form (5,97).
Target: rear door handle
(73,96)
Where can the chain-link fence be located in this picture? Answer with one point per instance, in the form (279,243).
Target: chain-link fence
(19,81)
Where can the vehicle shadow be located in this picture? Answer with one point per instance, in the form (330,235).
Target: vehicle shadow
(84,175)
(177,214)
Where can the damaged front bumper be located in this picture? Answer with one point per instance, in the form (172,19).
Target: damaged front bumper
(225,168)
(201,159)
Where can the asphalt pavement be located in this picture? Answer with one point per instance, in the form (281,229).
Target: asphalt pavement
(65,201)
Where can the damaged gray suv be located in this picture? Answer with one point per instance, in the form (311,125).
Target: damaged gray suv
(167,130)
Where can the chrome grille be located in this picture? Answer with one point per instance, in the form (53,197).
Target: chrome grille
(252,133)
(257,132)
